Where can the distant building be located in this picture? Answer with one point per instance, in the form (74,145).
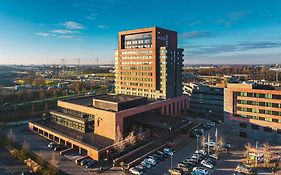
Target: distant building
(204,101)
(253,110)
(149,63)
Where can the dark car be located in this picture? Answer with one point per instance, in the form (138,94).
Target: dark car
(84,162)
(90,164)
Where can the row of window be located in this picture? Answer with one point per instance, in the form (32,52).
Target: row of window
(256,127)
(138,46)
(135,68)
(68,123)
(256,103)
(138,94)
(136,57)
(134,42)
(137,89)
(138,52)
(258,95)
(138,36)
(136,62)
(136,79)
(137,73)
(76,113)
(260,118)
(260,111)
(136,84)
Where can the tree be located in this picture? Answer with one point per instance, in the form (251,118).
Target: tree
(248,148)
(268,154)
(25,146)
(119,144)
(203,141)
(11,137)
(54,161)
(131,138)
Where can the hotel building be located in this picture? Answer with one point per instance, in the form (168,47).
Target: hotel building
(148,63)
(90,124)
(253,110)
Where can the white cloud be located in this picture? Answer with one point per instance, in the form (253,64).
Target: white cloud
(91,16)
(68,36)
(102,26)
(61,31)
(44,34)
(73,25)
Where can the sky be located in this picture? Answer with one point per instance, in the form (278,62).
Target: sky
(210,31)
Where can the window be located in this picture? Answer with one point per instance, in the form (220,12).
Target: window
(243,125)
(256,95)
(278,131)
(244,94)
(269,96)
(255,103)
(267,129)
(262,118)
(268,112)
(243,101)
(275,120)
(254,110)
(268,104)
(254,127)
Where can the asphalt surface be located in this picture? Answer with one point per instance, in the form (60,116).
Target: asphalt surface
(10,165)
(39,146)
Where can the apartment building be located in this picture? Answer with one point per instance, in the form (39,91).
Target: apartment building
(148,63)
(253,110)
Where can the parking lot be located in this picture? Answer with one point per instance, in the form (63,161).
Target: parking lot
(185,147)
(39,146)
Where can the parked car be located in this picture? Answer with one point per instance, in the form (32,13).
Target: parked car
(200,170)
(151,161)
(213,156)
(163,154)
(243,169)
(202,152)
(84,162)
(160,157)
(145,164)
(194,134)
(140,167)
(57,148)
(211,144)
(212,124)
(207,164)
(135,171)
(175,171)
(51,144)
(167,151)
(154,158)
(90,164)
(212,161)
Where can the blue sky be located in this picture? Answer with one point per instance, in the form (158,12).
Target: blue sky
(210,31)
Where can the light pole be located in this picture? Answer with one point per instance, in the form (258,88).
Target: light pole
(171,161)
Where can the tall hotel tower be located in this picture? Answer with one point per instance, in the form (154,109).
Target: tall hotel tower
(148,63)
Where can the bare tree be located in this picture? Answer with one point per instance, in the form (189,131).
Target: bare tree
(25,146)
(54,161)
(11,136)
(268,154)
(203,141)
(119,144)
(248,148)
(131,138)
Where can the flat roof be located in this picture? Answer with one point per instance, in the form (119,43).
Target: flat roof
(119,98)
(89,139)
(84,101)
